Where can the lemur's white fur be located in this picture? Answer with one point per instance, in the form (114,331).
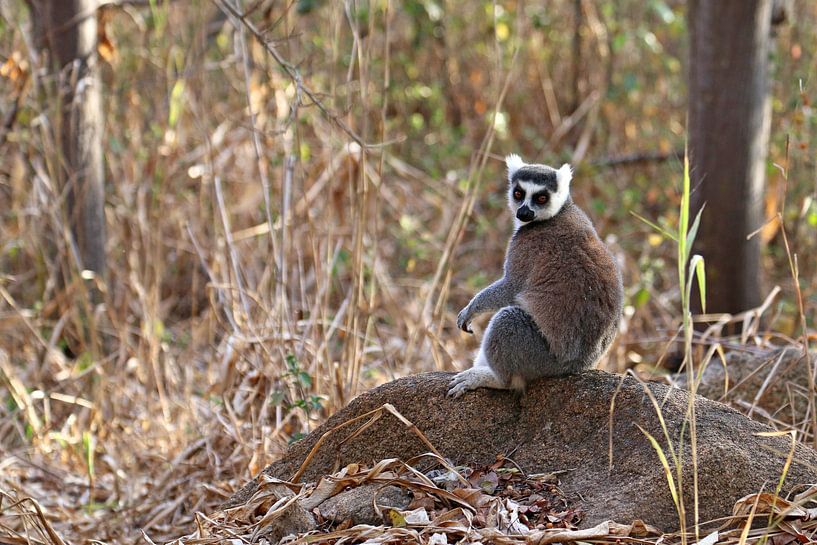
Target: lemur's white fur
(530,188)
(557,199)
(514,163)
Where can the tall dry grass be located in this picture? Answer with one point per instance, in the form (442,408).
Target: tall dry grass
(299,201)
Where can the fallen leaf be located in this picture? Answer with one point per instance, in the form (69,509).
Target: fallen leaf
(396,518)
(417,516)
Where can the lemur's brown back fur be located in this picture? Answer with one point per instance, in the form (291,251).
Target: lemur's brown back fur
(569,283)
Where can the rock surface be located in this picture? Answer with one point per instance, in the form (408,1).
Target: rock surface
(563,424)
(768,385)
(357,504)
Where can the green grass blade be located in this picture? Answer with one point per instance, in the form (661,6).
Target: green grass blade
(693,231)
(700,273)
(683,224)
(697,270)
(655,226)
(665,464)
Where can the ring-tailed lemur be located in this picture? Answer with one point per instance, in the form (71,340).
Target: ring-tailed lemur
(559,301)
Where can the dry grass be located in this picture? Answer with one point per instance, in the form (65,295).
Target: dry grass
(295,219)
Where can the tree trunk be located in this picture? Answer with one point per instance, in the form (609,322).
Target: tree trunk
(729,123)
(67,29)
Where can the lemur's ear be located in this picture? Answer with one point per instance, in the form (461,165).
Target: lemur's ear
(564,175)
(514,163)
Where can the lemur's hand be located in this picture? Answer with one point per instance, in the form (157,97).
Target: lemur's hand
(464,320)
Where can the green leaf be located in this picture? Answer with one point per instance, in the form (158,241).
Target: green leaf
(176,95)
(700,272)
(663,11)
(642,297)
(619,41)
(297,436)
(305,6)
(292,363)
(277,397)
(89,445)
(683,224)
(693,231)
(305,379)
(85,361)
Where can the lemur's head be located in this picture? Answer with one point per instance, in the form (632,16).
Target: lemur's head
(536,192)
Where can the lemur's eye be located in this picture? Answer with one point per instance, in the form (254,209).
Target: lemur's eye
(542,199)
(517,195)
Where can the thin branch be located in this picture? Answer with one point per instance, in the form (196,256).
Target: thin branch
(638,158)
(292,72)
(9,119)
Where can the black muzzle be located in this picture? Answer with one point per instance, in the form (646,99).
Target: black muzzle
(524,213)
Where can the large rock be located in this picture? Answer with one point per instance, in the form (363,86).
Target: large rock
(564,425)
(769,385)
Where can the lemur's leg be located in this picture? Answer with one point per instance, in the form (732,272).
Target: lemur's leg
(513,352)
(516,350)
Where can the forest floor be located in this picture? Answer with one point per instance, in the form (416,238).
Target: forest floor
(295,216)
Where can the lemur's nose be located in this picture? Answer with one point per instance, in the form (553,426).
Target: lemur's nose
(524,213)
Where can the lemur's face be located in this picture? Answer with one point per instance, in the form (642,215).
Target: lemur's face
(536,192)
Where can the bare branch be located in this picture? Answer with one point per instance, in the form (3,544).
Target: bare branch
(292,72)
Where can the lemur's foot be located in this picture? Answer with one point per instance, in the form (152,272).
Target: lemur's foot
(471,379)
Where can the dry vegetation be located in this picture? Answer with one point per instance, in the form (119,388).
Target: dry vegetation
(298,205)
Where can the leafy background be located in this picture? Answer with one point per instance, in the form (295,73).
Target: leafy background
(264,267)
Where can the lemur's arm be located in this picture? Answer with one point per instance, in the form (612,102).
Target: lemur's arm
(499,294)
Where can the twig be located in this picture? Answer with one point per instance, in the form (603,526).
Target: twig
(9,119)
(228,236)
(638,158)
(293,73)
(375,415)
(228,311)
(262,166)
